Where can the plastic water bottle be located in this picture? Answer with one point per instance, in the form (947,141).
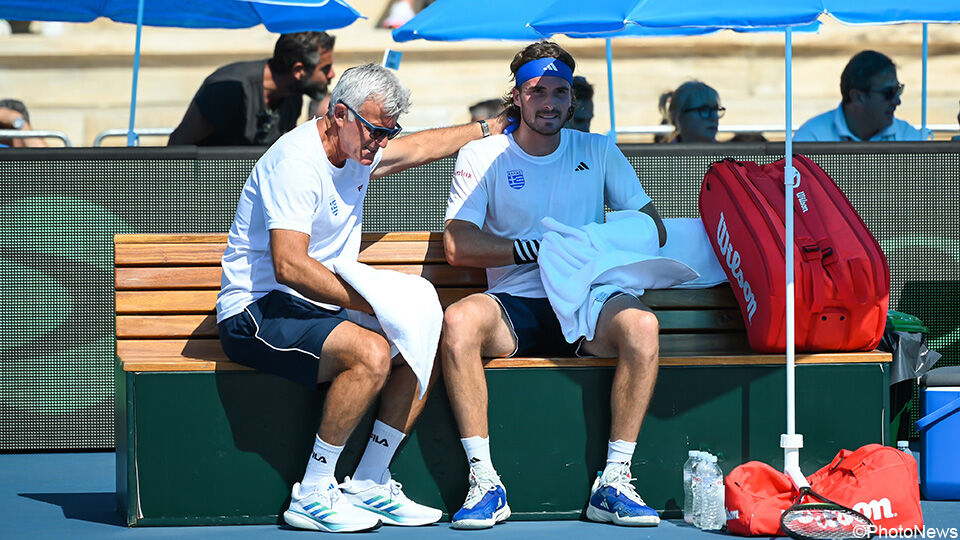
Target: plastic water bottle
(692,459)
(707,487)
(904,446)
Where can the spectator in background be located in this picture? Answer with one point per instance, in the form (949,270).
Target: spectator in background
(14,115)
(486,109)
(582,105)
(871,93)
(254,103)
(694,110)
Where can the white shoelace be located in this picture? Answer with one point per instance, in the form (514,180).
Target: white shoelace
(621,481)
(480,484)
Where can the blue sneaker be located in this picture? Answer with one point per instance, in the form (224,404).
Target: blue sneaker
(613,499)
(486,503)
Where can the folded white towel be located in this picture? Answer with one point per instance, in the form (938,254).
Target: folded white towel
(623,253)
(687,242)
(407,312)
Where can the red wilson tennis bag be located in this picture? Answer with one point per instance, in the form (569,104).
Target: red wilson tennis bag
(755,495)
(878,481)
(841,277)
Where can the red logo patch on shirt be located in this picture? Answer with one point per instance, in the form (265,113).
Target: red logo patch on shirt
(463,173)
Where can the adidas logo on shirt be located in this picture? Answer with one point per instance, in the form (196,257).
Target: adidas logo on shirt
(582,167)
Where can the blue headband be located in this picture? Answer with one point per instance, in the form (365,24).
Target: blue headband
(544,67)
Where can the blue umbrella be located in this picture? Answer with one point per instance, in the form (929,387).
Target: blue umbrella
(455,20)
(281,16)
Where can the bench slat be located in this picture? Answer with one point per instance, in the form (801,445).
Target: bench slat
(202,254)
(205,325)
(162,326)
(213,238)
(205,300)
(208,277)
(206,355)
(128,302)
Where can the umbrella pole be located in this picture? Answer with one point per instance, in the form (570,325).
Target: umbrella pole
(613,117)
(791,442)
(131,136)
(923,90)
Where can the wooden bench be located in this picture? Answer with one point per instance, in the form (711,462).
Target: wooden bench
(187,415)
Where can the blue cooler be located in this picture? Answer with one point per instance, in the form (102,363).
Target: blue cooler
(940,434)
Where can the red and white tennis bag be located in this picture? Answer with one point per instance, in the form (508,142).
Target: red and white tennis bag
(841,275)
(755,494)
(878,481)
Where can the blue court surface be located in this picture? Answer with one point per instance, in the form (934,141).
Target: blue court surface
(72,496)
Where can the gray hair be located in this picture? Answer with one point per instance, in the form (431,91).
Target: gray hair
(371,81)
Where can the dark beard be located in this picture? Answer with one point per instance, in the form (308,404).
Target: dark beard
(313,89)
(563,120)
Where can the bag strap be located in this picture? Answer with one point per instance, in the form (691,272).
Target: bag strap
(938,414)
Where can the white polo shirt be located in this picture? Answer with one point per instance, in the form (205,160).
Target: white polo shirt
(832,126)
(506,192)
(293,186)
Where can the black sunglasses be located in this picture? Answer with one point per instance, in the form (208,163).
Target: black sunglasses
(706,110)
(377,133)
(889,92)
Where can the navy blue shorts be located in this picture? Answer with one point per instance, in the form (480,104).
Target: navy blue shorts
(282,334)
(535,326)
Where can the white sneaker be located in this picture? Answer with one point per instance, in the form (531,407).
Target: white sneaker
(388,502)
(325,509)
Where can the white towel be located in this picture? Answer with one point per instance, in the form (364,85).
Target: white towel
(687,242)
(622,253)
(407,312)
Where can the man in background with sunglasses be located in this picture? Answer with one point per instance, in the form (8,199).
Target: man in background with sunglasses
(871,94)
(281,308)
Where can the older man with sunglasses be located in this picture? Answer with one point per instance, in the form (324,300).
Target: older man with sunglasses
(871,94)
(281,308)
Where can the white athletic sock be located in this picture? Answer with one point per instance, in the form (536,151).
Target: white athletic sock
(321,465)
(478,451)
(383,443)
(620,451)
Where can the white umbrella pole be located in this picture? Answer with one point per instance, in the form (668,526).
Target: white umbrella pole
(131,136)
(613,117)
(791,442)
(923,89)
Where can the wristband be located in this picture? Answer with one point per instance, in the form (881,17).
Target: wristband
(485,128)
(526,251)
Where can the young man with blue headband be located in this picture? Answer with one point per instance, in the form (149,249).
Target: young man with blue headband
(502,188)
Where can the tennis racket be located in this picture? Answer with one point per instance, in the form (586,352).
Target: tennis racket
(824,519)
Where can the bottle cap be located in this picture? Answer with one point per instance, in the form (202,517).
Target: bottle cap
(693,453)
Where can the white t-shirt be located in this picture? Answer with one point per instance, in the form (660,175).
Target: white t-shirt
(293,186)
(832,126)
(506,192)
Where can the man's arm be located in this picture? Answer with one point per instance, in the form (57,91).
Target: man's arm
(7,119)
(431,145)
(193,128)
(651,210)
(466,245)
(296,269)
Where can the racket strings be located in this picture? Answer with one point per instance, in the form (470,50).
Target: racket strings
(825,521)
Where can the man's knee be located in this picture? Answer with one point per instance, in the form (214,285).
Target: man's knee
(373,359)
(462,324)
(636,329)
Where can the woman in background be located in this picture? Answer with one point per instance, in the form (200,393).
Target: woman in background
(694,110)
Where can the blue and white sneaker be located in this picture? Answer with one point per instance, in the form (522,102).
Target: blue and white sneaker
(388,501)
(486,503)
(613,499)
(325,509)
